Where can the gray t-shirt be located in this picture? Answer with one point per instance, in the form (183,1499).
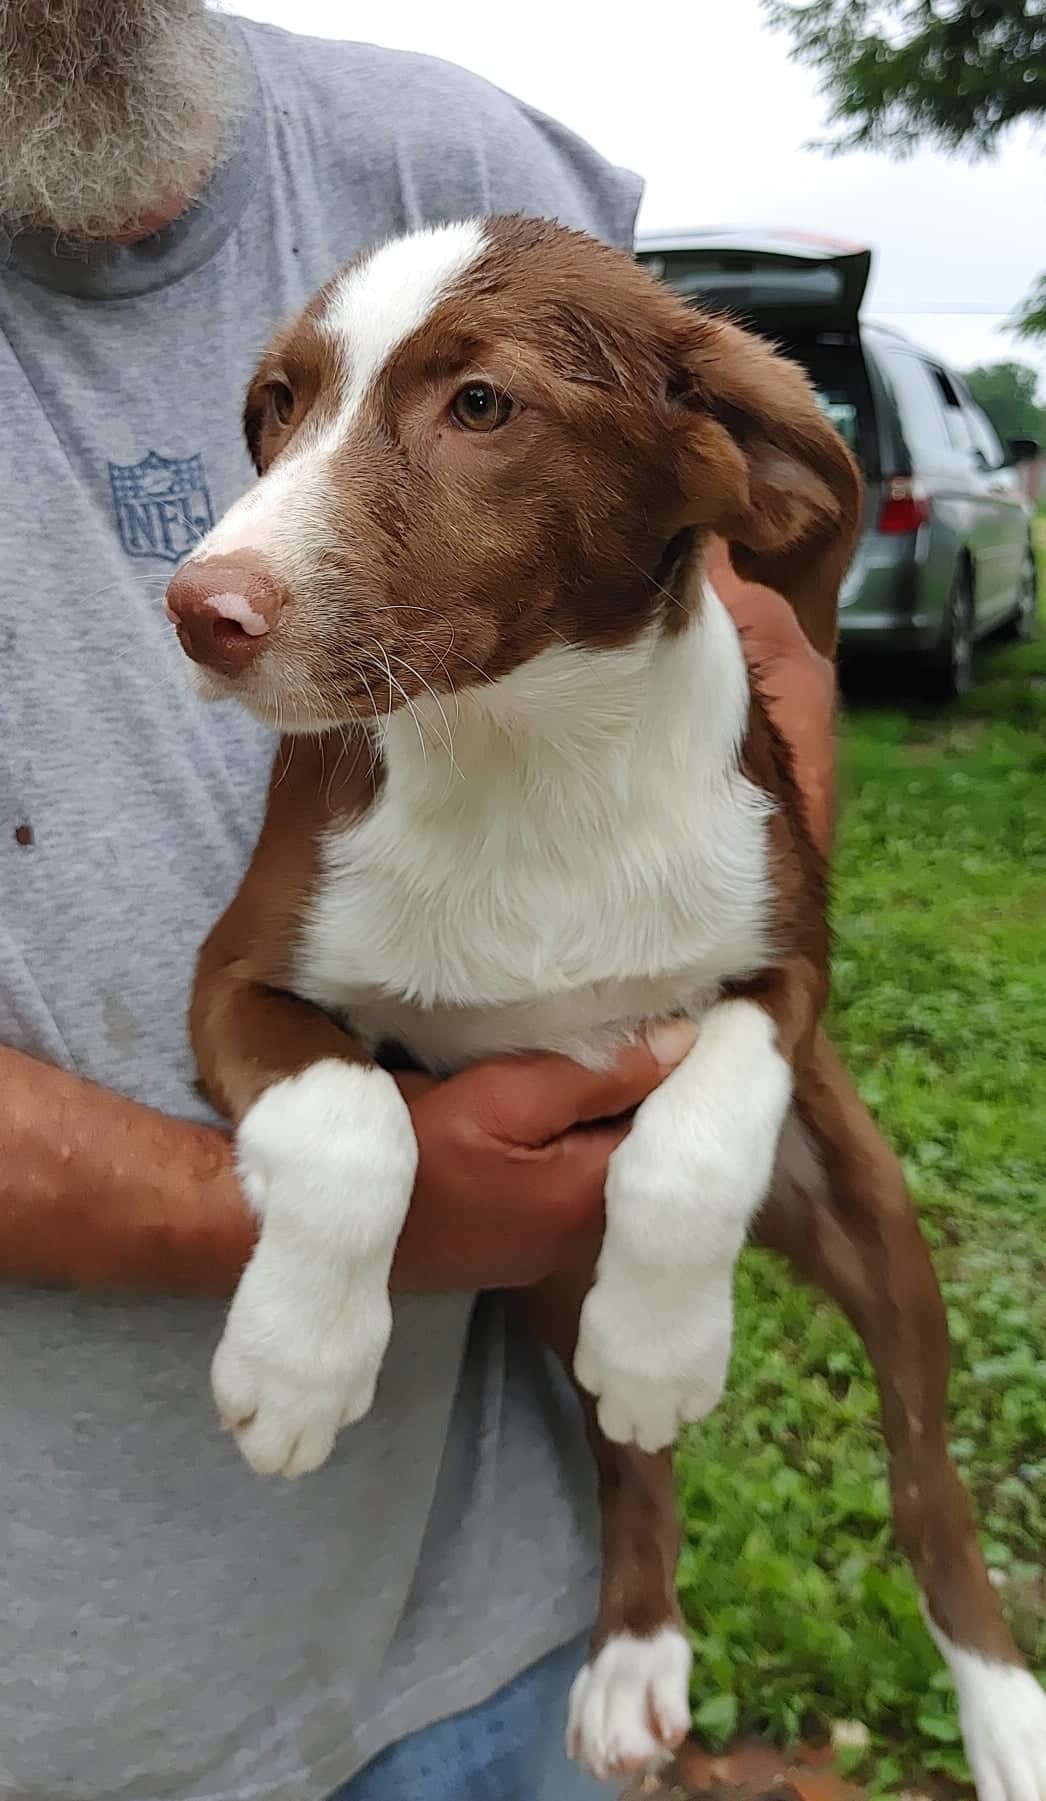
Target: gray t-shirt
(174,1625)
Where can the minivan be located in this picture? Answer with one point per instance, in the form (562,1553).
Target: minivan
(946,553)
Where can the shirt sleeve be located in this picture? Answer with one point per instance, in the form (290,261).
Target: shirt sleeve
(450,145)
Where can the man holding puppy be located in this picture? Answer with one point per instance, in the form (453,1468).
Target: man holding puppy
(408,1619)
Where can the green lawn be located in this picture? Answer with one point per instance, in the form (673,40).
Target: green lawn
(801,1609)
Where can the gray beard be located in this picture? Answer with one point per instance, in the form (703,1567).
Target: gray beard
(110,110)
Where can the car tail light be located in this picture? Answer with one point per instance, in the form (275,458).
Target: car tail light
(906,506)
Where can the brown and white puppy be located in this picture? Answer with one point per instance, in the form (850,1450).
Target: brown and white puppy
(527,800)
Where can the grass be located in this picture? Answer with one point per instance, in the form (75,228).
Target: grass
(801,1609)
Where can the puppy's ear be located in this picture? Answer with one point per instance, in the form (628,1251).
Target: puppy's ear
(764,468)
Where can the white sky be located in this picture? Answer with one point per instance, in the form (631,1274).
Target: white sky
(703,101)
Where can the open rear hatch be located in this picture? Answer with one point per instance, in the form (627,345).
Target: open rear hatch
(803,293)
(790,284)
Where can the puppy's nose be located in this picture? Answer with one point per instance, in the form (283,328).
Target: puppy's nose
(224,609)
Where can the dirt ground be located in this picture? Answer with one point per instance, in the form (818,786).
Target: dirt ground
(749,1772)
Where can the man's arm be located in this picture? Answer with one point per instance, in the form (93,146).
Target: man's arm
(100,1192)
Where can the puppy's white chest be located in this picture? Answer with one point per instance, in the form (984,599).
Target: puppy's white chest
(552,894)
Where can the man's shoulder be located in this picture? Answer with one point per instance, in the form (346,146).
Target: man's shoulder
(448,139)
(335,67)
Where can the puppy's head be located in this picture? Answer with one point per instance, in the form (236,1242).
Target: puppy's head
(484,440)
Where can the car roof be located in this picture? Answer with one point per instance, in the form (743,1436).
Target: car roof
(899,340)
(771,240)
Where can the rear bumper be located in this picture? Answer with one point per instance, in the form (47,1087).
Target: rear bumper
(883,604)
(886,633)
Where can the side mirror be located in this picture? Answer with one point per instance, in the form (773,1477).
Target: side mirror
(1022,450)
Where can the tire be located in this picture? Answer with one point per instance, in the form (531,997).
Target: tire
(950,666)
(1024,624)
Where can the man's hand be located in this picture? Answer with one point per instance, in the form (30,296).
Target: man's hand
(513,1159)
(796,683)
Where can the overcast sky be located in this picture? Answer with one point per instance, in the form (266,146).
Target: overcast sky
(703,101)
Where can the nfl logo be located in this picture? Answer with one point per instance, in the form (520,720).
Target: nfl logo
(163,505)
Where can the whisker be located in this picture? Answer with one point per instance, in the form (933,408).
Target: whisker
(664,592)
(383,726)
(377,741)
(328,794)
(448,743)
(406,697)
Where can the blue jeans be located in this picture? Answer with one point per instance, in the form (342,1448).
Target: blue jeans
(510,1748)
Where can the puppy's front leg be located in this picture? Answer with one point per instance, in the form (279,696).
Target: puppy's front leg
(327,1157)
(654,1342)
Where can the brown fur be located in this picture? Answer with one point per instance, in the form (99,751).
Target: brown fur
(247,1027)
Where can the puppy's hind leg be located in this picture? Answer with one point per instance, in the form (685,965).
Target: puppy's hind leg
(630,1704)
(840,1211)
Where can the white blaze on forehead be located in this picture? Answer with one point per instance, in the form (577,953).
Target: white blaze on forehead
(375,306)
(372,309)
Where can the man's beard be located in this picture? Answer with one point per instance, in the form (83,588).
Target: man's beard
(110,110)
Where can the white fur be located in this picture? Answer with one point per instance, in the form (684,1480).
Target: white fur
(379,303)
(1003,1713)
(238,607)
(630,1707)
(587,858)
(327,1159)
(656,1327)
(373,308)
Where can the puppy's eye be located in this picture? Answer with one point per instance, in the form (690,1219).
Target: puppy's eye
(480,407)
(281,402)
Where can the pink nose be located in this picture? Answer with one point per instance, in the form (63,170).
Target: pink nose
(224,609)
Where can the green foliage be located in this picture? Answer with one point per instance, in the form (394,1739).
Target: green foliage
(1007,392)
(801,1608)
(899,72)
(1031,320)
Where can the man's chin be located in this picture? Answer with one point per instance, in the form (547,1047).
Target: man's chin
(126,216)
(114,116)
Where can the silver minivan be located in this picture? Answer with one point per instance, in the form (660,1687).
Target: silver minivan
(946,553)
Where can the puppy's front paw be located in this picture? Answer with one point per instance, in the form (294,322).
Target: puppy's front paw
(652,1365)
(287,1376)
(328,1159)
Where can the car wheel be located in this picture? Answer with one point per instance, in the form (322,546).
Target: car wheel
(951,664)
(1024,624)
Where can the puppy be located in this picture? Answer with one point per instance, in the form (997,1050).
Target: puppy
(527,799)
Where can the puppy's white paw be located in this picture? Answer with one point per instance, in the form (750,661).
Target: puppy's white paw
(651,1364)
(1003,1714)
(327,1158)
(630,1707)
(285,1388)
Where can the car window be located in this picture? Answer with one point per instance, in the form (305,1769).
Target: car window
(840,382)
(840,410)
(985,439)
(956,422)
(921,404)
